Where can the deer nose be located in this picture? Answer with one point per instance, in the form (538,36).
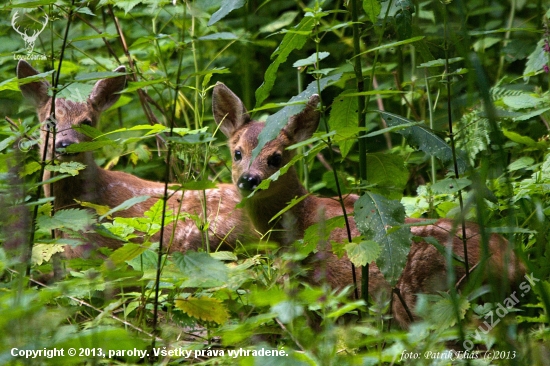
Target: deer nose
(248,182)
(63,144)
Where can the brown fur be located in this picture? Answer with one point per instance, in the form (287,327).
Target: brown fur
(425,270)
(111,188)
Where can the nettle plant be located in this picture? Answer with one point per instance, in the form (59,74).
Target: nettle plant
(428,110)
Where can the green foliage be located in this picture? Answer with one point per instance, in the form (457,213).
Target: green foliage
(481,65)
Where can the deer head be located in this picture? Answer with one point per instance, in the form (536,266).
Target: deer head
(69,113)
(234,121)
(29,40)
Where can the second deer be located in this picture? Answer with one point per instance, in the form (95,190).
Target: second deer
(99,186)
(425,270)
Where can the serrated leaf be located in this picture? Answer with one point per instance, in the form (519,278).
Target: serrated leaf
(201,270)
(343,115)
(376,218)
(364,252)
(319,232)
(205,308)
(278,120)
(293,40)
(372,8)
(227,7)
(443,312)
(74,219)
(521,101)
(71,167)
(43,252)
(425,139)
(76,92)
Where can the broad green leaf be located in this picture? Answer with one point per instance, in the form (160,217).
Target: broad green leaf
(205,308)
(376,218)
(425,139)
(293,40)
(278,120)
(267,297)
(287,311)
(522,101)
(311,59)
(525,140)
(284,20)
(536,60)
(74,219)
(347,308)
(343,115)
(71,167)
(372,9)
(443,312)
(76,92)
(155,213)
(388,173)
(92,76)
(363,253)
(201,270)
(524,162)
(450,185)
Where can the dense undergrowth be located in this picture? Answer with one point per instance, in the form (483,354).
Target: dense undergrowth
(394,76)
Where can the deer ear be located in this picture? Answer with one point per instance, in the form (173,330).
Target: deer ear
(104,94)
(35,92)
(229,111)
(302,125)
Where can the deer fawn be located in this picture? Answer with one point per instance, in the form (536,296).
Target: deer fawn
(111,188)
(425,268)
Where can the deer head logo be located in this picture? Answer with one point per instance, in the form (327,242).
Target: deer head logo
(29,39)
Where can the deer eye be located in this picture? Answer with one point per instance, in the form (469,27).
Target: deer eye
(86,122)
(275,160)
(238,155)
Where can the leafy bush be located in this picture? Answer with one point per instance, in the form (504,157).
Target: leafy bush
(438,107)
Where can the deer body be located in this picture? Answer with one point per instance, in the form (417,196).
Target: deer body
(111,188)
(425,270)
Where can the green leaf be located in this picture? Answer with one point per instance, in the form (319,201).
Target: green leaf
(43,252)
(425,139)
(536,60)
(135,85)
(227,7)
(319,232)
(124,254)
(363,253)
(76,92)
(125,205)
(278,120)
(522,101)
(440,62)
(524,162)
(376,218)
(372,9)
(450,185)
(71,167)
(199,185)
(311,59)
(343,115)
(205,308)
(218,36)
(74,219)
(89,146)
(443,312)
(293,40)
(201,270)
(388,173)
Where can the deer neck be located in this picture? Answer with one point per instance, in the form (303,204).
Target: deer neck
(290,225)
